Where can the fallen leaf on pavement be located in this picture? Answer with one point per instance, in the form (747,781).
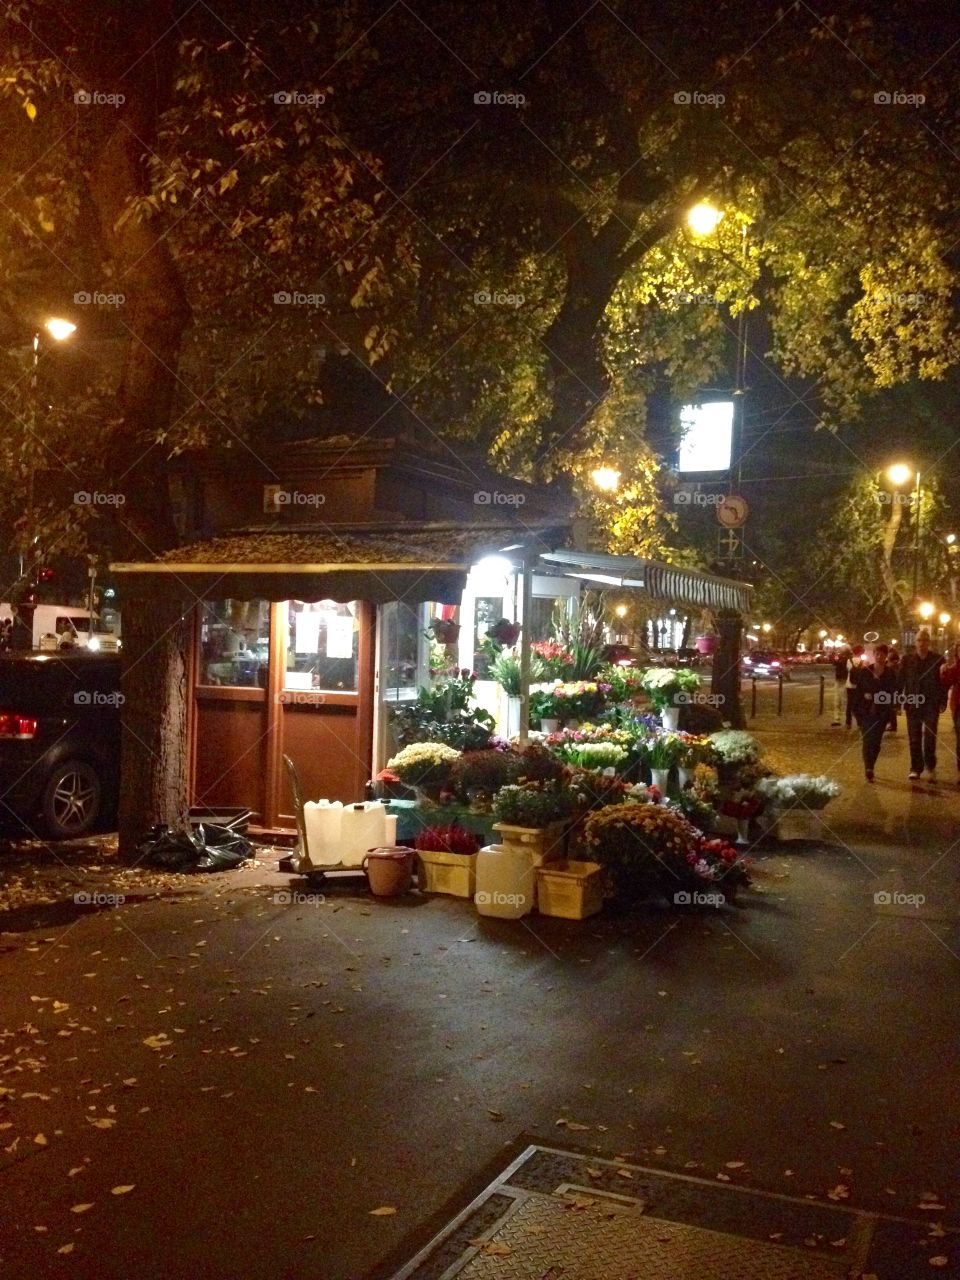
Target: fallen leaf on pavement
(384,1211)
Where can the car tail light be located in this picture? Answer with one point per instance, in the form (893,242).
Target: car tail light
(16,726)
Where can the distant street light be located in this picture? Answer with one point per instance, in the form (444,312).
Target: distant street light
(926,610)
(621,611)
(59,329)
(766,627)
(899,473)
(944,618)
(823,635)
(703,219)
(606,478)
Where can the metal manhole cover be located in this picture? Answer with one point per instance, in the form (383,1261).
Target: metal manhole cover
(545,1238)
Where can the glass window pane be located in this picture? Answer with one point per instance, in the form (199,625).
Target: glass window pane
(323,644)
(487,611)
(402,650)
(235,643)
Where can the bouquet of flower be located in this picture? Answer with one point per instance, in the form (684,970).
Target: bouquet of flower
(451,839)
(663,751)
(592,755)
(669,686)
(694,749)
(701,813)
(532,804)
(705,784)
(717,860)
(735,747)
(579,699)
(646,848)
(556,658)
(798,791)
(626,683)
(740,804)
(424,764)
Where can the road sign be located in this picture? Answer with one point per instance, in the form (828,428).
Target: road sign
(729,545)
(732,512)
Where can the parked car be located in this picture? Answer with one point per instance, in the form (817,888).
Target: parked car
(621,654)
(764,664)
(60,739)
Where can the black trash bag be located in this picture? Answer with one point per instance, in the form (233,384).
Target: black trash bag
(209,848)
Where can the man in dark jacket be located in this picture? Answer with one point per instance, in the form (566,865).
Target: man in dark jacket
(923,697)
(875,694)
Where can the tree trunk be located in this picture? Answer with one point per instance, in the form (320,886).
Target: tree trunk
(725,681)
(154,721)
(154,767)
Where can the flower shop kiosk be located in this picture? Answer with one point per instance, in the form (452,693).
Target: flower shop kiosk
(326,585)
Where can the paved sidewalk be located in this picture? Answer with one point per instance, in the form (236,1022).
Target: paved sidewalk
(265,1073)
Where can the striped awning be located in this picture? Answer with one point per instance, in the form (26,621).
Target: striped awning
(670,583)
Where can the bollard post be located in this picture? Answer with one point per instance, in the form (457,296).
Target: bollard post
(753,697)
(820,708)
(779,693)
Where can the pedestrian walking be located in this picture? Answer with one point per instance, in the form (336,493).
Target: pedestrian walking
(923,696)
(854,664)
(893,663)
(840,673)
(950,677)
(875,693)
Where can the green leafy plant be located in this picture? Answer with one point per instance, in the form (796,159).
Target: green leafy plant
(506,671)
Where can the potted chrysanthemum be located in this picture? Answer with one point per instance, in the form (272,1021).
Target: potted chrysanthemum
(428,766)
(796,803)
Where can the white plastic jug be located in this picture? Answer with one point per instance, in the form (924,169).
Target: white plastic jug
(363,828)
(505,882)
(323,821)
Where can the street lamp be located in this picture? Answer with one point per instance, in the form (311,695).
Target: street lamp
(58,328)
(899,474)
(703,219)
(926,610)
(606,478)
(766,627)
(944,618)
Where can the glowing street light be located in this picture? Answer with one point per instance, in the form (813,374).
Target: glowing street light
(621,611)
(926,610)
(823,635)
(606,479)
(944,618)
(950,539)
(703,219)
(766,627)
(899,473)
(59,329)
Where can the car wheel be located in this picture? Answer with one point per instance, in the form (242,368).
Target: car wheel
(71,799)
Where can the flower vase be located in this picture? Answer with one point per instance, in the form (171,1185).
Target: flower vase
(549,725)
(670,718)
(685,776)
(661,778)
(743,831)
(513,716)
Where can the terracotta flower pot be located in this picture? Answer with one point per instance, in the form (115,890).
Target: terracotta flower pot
(389,871)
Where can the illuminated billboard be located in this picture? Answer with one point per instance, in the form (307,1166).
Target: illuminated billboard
(707,439)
